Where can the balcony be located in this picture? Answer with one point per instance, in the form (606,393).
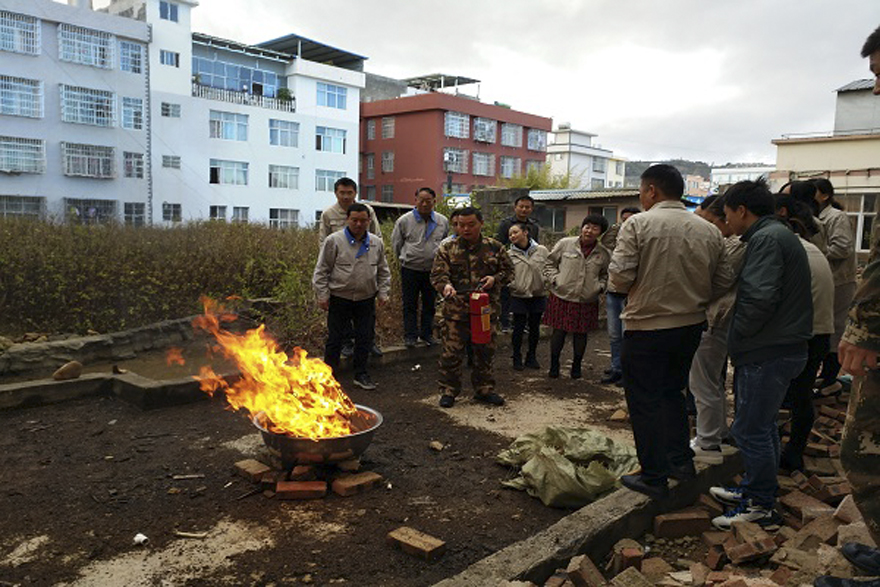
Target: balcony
(245,98)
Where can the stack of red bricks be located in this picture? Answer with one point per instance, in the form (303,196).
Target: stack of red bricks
(308,481)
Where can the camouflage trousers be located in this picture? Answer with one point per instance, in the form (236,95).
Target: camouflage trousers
(455,335)
(860,449)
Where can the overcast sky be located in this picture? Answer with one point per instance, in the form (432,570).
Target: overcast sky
(710,80)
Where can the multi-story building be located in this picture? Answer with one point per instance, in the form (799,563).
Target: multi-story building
(572,153)
(448,142)
(732,173)
(696,188)
(615,174)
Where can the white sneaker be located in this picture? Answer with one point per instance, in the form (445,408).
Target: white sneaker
(709,456)
(766,518)
(726,495)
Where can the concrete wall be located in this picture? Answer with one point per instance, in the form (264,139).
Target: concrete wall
(857,110)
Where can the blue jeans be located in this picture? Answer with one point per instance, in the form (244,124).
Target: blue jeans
(760,389)
(613,308)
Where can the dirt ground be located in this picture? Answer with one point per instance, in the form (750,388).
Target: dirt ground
(81,479)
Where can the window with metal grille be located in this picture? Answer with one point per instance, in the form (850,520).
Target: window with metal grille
(133,113)
(171,161)
(331,96)
(284,176)
(455,160)
(217,212)
(228,125)
(387,193)
(388,123)
(370,164)
(240,214)
(168,11)
(88,106)
(229,172)
(85,46)
(21,97)
(131,57)
(134,213)
(88,160)
(133,164)
(283,133)
(371,129)
(283,217)
(457,125)
(324,179)
(484,164)
(387,161)
(85,211)
(509,167)
(19,206)
(369,193)
(19,155)
(170,110)
(484,130)
(171,58)
(599,164)
(171,212)
(511,135)
(537,140)
(19,33)
(533,166)
(331,140)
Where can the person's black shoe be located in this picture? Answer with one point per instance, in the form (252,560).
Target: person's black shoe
(447,401)
(347,350)
(576,372)
(608,371)
(636,483)
(862,556)
(828,581)
(490,398)
(409,342)
(429,340)
(376,351)
(554,371)
(517,363)
(532,362)
(789,461)
(611,377)
(683,472)
(364,382)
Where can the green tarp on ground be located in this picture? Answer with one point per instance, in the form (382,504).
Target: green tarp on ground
(567,467)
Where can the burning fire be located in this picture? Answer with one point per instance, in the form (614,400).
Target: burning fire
(298,396)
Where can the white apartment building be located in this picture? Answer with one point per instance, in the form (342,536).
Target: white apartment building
(730,174)
(571,152)
(228,131)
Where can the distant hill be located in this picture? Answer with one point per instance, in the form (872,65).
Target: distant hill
(634,169)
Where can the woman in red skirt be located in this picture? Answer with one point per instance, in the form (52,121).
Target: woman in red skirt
(576,272)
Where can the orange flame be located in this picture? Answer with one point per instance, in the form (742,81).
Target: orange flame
(174,357)
(297,395)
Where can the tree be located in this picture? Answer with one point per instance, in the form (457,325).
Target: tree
(541,178)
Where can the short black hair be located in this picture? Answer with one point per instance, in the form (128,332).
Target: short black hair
(526,197)
(630,210)
(708,201)
(872,44)
(357,207)
(429,190)
(471,211)
(754,195)
(824,186)
(666,178)
(805,191)
(455,212)
(596,220)
(346,182)
(716,207)
(799,215)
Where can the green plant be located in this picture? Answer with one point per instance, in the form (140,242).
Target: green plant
(284,94)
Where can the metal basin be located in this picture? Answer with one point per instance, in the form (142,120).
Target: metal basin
(305,451)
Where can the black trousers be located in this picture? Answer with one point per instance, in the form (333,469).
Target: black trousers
(800,393)
(340,316)
(414,284)
(655,365)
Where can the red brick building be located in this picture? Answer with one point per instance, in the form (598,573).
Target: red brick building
(411,142)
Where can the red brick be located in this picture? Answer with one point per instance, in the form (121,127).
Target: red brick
(749,551)
(735,582)
(699,572)
(715,538)
(811,513)
(847,512)
(252,470)
(557,580)
(748,532)
(840,490)
(303,473)
(655,568)
(717,577)
(347,485)
(349,465)
(270,479)
(814,449)
(416,543)
(583,573)
(796,501)
(710,505)
(680,524)
(631,577)
(824,528)
(300,489)
(715,558)
(781,575)
(791,520)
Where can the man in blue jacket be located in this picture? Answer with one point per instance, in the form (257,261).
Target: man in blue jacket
(772,322)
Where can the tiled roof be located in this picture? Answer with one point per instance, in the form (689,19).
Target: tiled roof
(859,84)
(553,195)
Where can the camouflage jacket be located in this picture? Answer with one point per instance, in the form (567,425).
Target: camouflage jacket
(863,326)
(463,265)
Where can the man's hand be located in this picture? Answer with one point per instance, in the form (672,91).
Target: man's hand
(856,360)
(324,304)
(449,291)
(487,282)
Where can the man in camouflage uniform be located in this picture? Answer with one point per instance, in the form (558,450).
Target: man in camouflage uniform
(462,266)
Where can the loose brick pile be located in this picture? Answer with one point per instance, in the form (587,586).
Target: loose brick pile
(308,481)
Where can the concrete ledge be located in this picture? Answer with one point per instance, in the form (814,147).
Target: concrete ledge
(591,530)
(48,391)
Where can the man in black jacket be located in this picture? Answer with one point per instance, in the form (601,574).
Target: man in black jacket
(771,324)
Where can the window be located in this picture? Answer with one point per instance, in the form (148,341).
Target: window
(171,212)
(457,188)
(369,193)
(537,140)
(370,164)
(135,213)
(371,129)
(283,133)
(18,206)
(455,160)
(21,97)
(18,155)
(228,125)
(387,193)
(283,217)
(85,46)
(510,166)
(229,172)
(90,211)
(388,162)
(511,135)
(131,57)
(168,11)
(597,184)
(283,176)
(388,127)
(599,164)
(329,139)
(609,212)
(240,214)
(484,130)
(225,75)
(170,110)
(19,33)
(133,113)
(484,164)
(171,161)
(88,106)
(331,96)
(217,212)
(621,169)
(457,125)
(325,179)
(133,164)
(88,160)
(534,166)
(862,211)
(171,58)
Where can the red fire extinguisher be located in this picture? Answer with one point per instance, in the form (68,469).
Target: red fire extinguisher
(481,314)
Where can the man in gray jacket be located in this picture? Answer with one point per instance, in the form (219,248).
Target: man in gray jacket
(351,272)
(415,239)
